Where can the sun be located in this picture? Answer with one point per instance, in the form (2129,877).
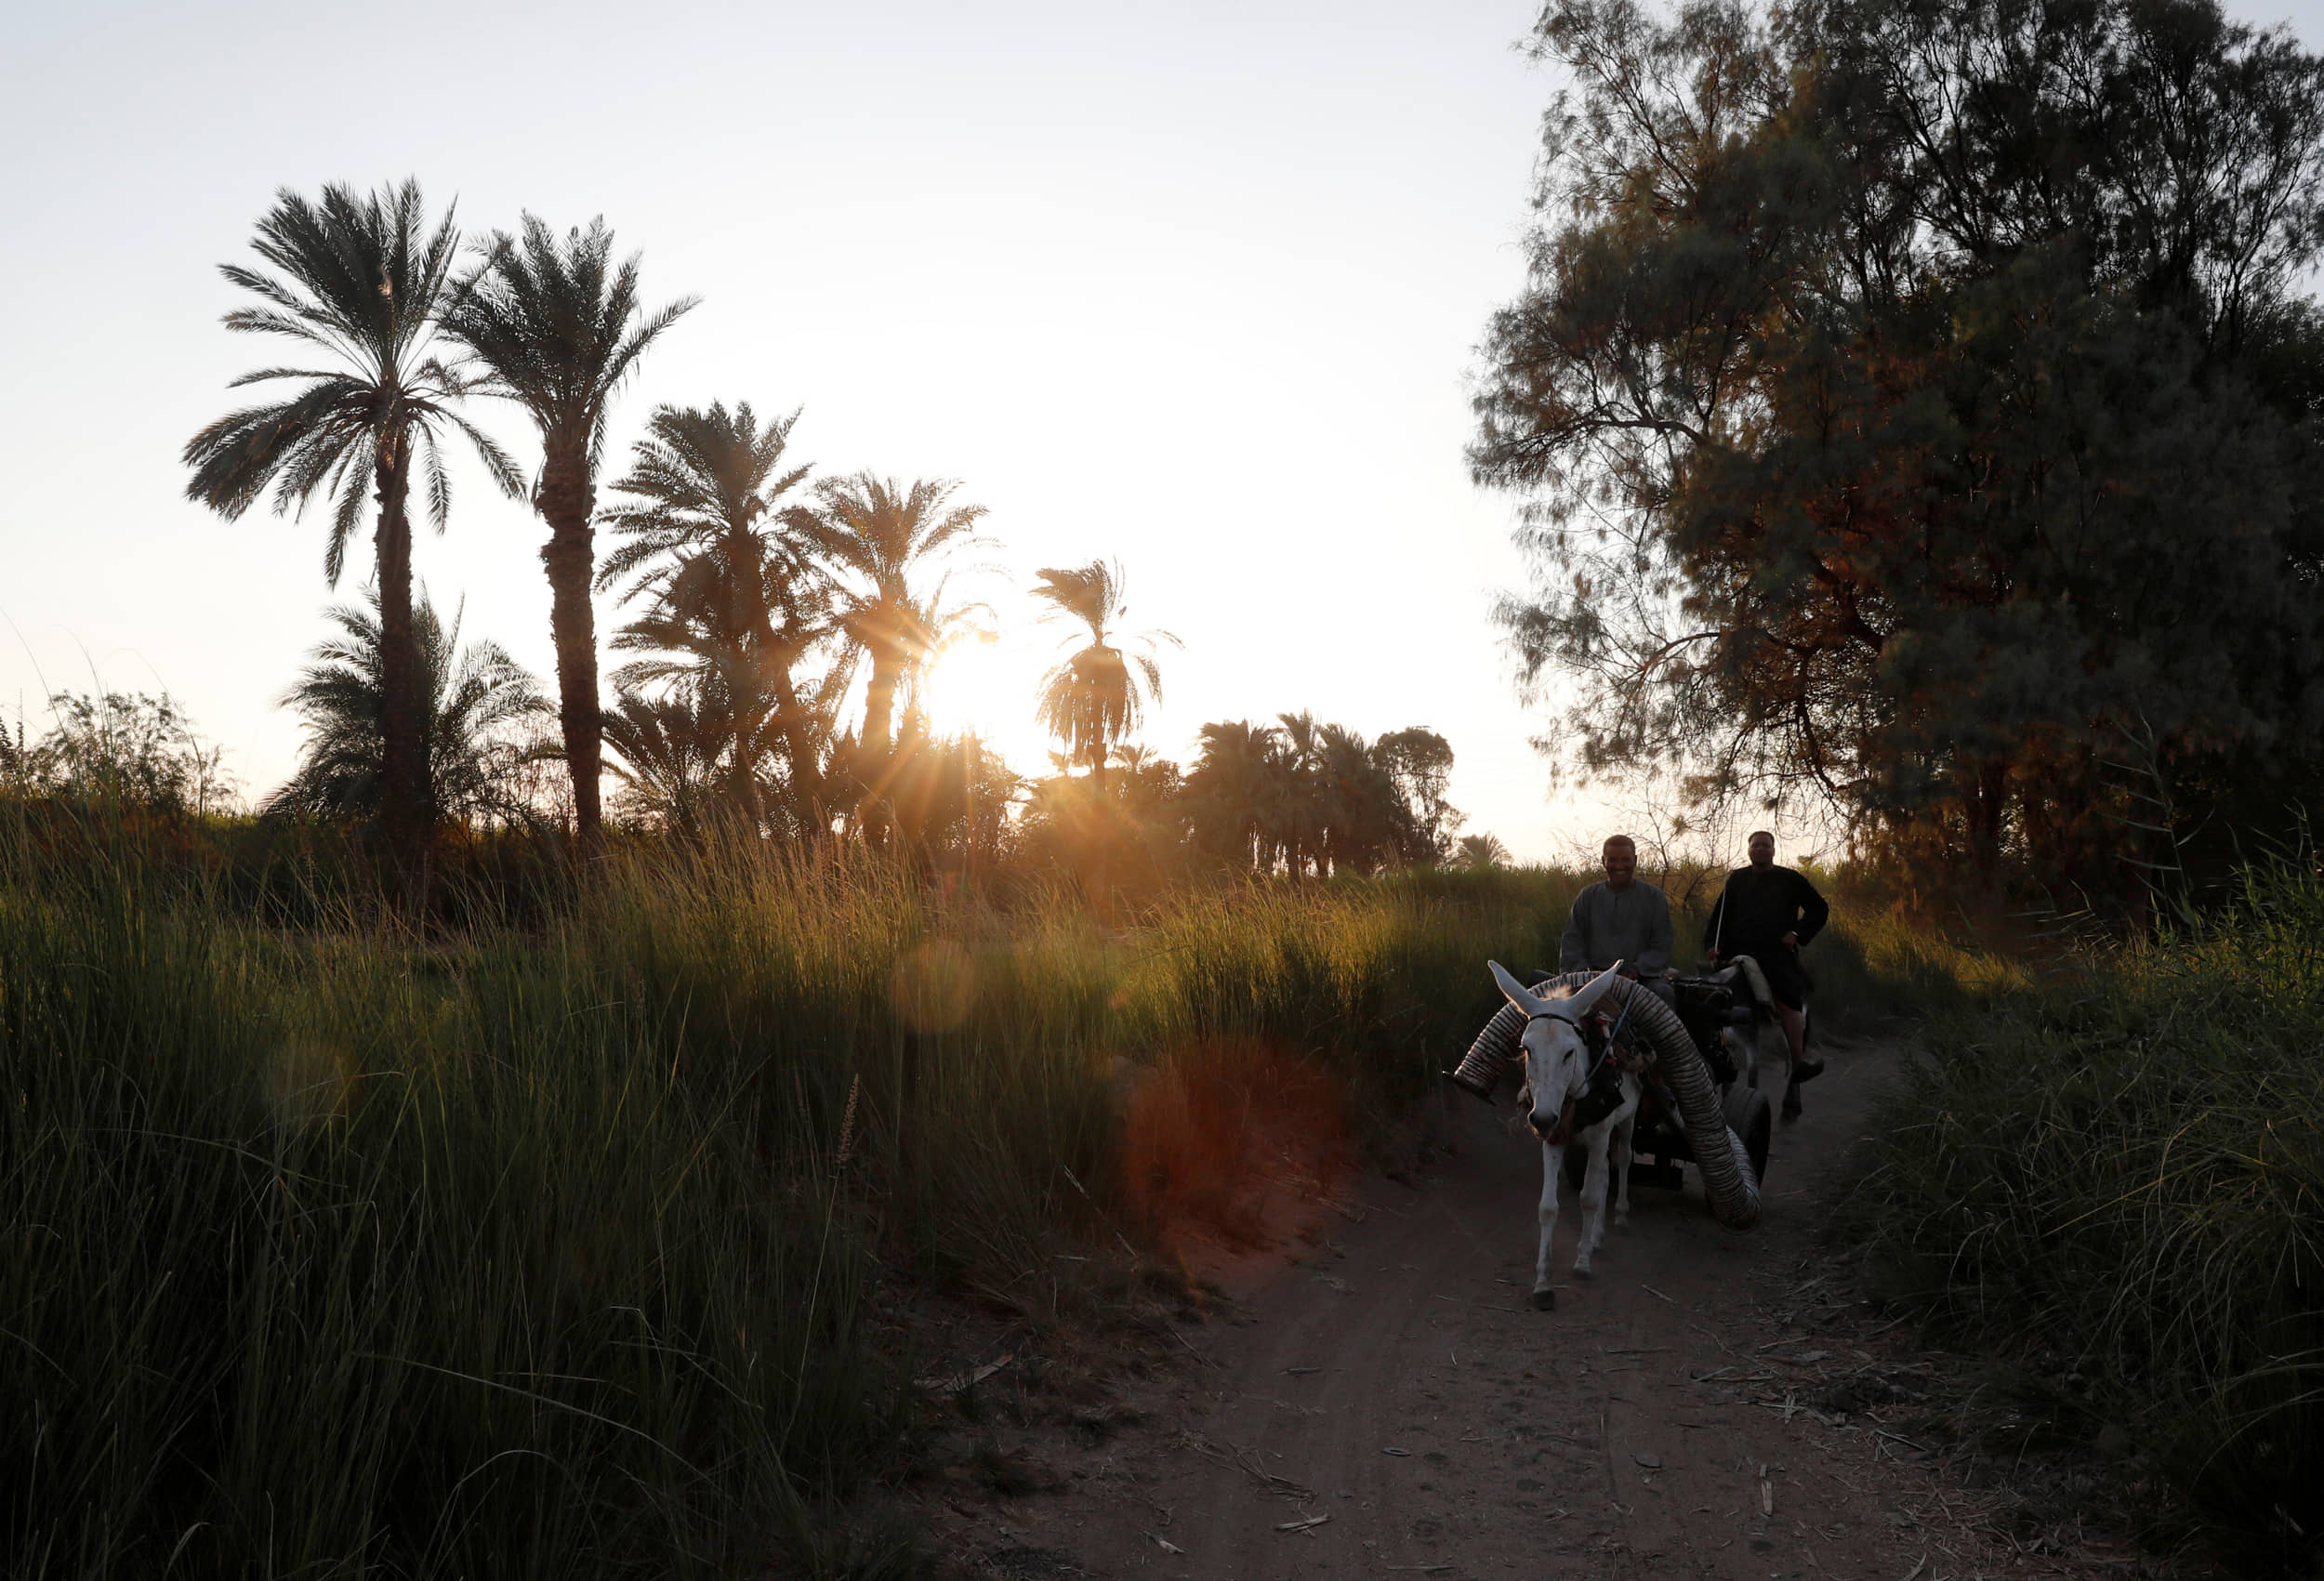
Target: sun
(962,693)
(984,687)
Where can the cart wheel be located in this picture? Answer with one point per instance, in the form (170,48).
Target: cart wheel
(1749,1117)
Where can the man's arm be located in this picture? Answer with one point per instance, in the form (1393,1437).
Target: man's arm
(1573,951)
(1656,957)
(1815,911)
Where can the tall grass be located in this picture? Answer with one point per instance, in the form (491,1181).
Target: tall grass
(331,1258)
(1875,965)
(2120,1176)
(559,1250)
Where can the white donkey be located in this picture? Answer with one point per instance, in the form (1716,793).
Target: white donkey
(1558,1069)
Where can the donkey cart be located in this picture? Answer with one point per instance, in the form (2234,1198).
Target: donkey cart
(1708,1009)
(1685,1055)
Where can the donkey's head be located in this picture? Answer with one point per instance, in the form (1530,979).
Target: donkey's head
(1557,1059)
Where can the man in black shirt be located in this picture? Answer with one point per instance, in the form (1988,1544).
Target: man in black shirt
(1767,913)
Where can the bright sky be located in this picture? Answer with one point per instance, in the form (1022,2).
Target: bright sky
(1196,285)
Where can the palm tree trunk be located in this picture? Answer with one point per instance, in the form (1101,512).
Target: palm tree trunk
(879,700)
(879,706)
(812,810)
(405,817)
(567,497)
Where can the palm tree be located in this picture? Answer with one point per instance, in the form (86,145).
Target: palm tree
(1294,810)
(670,748)
(1482,850)
(475,706)
(363,280)
(559,327)
(1357,802)
(1227,791)
(878,533)
(708,538)
(701,659)
(1092,700)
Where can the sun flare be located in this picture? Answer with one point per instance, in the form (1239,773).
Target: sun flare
(965,688)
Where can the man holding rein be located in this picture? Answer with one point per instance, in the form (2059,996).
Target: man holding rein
(1619,919)
(1767,913)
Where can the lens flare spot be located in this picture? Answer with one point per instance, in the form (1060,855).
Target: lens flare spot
(1230,1147)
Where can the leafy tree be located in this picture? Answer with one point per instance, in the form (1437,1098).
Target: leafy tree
(480,715)
(1125,830)
(1914,404)
(119,747)
(360,282)
(948,793)
(1366,823)
(1418,762)
(1098,696)
(560,325)
(731,589)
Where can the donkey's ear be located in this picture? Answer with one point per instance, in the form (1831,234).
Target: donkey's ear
(1516,992)
(1590,993)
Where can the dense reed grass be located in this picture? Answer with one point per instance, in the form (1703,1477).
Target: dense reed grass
(2116,1177)
(329,1258)
(564,1249)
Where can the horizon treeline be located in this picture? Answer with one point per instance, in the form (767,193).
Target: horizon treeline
(1300,796)
(760,600)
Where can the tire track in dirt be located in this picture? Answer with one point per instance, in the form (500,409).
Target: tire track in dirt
(1390,1405)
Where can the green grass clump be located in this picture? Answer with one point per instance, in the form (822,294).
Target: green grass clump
(1382,978)
(2120,1176)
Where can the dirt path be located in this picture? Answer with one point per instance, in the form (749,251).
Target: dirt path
(1687,1412)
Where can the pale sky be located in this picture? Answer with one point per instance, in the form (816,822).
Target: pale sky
(1195,285)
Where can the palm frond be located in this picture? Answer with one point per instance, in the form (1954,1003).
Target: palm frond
(475,706)
(364,277)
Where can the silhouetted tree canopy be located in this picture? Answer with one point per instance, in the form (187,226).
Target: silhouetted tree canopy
(1317,797)
(358,283)
(1920,404)
(482,717)
(734,607)
(1096,697)
(561,326)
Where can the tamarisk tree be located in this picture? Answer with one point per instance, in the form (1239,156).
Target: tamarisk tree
(1919,407)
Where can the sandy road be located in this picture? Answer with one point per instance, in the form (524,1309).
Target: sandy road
(1395,1387)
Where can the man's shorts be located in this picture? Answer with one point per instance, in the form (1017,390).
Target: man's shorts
(1787,979)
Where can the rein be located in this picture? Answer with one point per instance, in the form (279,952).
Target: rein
(1563,1134)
